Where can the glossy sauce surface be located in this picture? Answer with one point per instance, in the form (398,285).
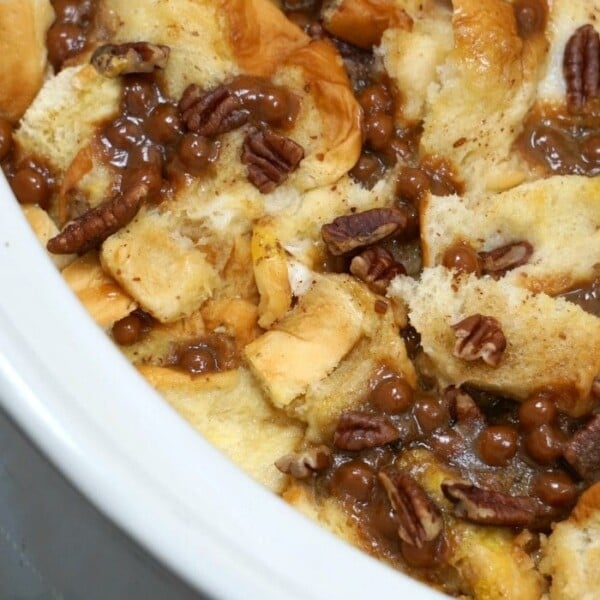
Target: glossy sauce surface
(68,35)
(586,296)
(494,442)
(561,144)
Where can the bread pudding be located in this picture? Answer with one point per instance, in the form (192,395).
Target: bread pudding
(354,243)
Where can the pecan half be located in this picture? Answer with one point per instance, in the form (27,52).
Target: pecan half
(419,520)
(583,450)
(345,234)
(581,68)
(477,337)
(500,260)
(270,158)
(356,431)
(93,227)
(376,267)
(112,60)
(302,465)
(213,113)
(491,508)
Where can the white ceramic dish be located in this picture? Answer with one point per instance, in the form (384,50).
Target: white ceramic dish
(70,389)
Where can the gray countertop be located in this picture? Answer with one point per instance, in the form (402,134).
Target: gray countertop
(55,544)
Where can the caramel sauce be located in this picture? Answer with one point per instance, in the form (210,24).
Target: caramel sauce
(68,35)
(490,446)
(211,354)
(266,102)
(559,143)
(586,296)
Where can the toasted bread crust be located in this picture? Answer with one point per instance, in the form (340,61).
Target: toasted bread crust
(23,26)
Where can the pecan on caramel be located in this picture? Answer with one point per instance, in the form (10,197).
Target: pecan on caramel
(356,431)
(419,520)
(498,261)
(270,158)
(113,60)
(581,68)
(212,113)
(376,267)
(489,507)
(93,227)
(477,337)
(345,234)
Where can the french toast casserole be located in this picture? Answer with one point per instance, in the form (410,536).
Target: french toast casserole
(355,243)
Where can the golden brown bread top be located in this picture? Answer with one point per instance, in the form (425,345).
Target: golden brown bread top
(549,341)
(486,86)
(363,22)
(559,216)
(259,34)
(98,292)
(23,26)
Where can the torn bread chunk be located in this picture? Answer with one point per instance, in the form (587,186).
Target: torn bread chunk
(572,553)
(329,124)
(319,358)
(349,383)
(163,270)
(101,295)
(230,411)
(63,117)
(559,217)
(549,341)
(270,266)
(23,27)
(412,58)
(310,341)
(486,86)
(200,51)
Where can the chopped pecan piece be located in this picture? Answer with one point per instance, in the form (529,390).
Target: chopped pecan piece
(211,114)
(356,431)
(583,450)
(302,465)
(492,508)
(419,520)
(479,336)
(376,267)
(270,158)
(358,230)
(500,260)
(581,68)
(112,60)
(93,227)
(463,407)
